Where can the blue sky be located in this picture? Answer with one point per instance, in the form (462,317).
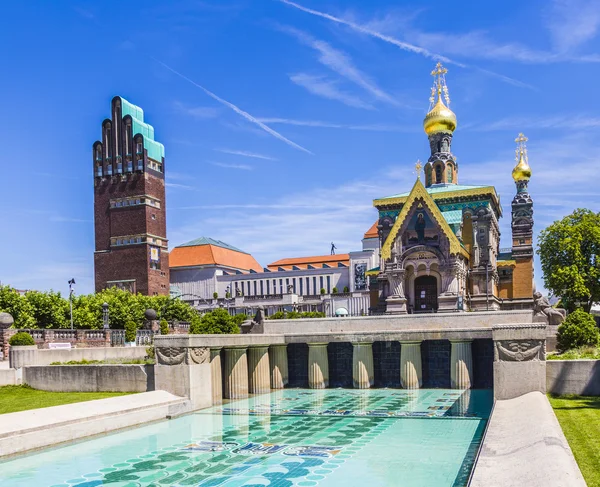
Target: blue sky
(281,120)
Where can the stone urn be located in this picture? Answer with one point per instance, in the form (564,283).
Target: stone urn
(6,321)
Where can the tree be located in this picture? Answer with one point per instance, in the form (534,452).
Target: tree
(50,309)
(346,290)
(21,310)
(578,330)
(218,321)
(569,251)
(334,290)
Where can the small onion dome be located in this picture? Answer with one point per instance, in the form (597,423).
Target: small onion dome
(341,312)
(439,119)
(522,171)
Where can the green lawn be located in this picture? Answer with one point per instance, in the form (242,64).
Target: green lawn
(21,398)
(579,417)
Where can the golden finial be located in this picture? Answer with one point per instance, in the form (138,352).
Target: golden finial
(522,171)
(439,118)
(418,167)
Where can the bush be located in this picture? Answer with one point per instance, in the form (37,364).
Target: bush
(150,352)
(164,327)
(215,295)
(346,290)
(334,290)
(21,339)
(322,290)
(218,321)
(578,330)
(130,331)
(292,315)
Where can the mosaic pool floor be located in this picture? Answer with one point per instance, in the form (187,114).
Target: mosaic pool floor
(295,437)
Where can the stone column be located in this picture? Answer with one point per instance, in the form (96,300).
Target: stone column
(259,370)
(216,375)
(318,366)
(461,364)
(362,365)
(279,366)
(235,384)
(411,371)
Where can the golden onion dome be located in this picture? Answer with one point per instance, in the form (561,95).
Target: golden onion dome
(522,171)
(440,118)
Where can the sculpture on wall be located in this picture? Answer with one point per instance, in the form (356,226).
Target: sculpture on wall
(542,308)
(255,325)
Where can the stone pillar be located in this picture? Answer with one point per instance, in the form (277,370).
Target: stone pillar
(278,360)
(235,383)
(318,366)
(411,371)
(461,364)
(259,370)
(216,375)
(362,365)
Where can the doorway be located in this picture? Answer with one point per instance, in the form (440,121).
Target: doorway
(426,294)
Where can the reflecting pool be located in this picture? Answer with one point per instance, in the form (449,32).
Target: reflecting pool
(292,437)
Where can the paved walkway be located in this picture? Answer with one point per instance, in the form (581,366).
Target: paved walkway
(37,428)
(525,446)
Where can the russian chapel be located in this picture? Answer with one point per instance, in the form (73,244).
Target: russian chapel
(440,242)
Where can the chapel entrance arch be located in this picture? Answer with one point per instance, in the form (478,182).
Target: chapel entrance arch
(426,294)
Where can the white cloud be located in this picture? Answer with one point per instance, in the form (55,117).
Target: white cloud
(244,167)
(321,86)
(334,125)
(236,109)
(180,186)
(558,122)
(244,153)
(573,22)
(342,64)
(197,111)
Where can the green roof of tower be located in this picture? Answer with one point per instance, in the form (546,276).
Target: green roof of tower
(155,149)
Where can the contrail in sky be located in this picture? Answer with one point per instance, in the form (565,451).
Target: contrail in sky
(236,109)
(402,45)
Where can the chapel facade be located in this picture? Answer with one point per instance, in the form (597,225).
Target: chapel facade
(440,242)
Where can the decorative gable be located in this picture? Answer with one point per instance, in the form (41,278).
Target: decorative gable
(419,198)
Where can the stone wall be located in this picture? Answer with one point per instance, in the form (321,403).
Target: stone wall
(21,356)
(573,377)
(90,378)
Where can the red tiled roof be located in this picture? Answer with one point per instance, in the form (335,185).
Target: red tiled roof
(315,261)
(372,232)
(212,254)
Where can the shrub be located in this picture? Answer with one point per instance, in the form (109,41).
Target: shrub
(292,315)
(346,290)
(150,353)
(164,327)
(215,295)
(218,321)
(130,331)
(334,290)
(578,330)
(21,339)
(322,290)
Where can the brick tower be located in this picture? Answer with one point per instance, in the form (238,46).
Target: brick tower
(129,204)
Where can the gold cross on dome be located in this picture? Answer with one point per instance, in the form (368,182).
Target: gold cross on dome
(439,70)
(521,138)
(418,167)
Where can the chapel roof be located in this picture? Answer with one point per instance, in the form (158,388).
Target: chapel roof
(205,251)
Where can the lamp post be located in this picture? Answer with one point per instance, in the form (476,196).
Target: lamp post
(71,291)
(105,316)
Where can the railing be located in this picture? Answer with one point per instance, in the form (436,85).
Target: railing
(144,337)
(65,335)
(117,338)
(263,296)
(506,250)
(313,296)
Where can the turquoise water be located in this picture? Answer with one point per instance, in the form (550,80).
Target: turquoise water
(293,437)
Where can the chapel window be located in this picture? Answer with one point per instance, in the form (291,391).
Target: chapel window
(449,174)
(428,176)
(438,174)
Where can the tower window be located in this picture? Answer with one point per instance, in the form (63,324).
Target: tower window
(119,167)
(140,164)
(129,166)
(139,148)
(428,176)
(438,174)
(99,171)
(449,174)
(109,170)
